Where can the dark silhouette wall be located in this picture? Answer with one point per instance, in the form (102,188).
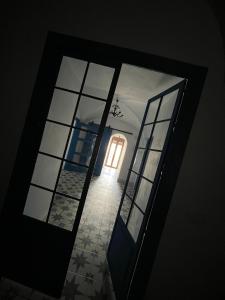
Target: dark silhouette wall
(190,261)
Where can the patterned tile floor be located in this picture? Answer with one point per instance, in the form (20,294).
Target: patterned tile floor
(87,273)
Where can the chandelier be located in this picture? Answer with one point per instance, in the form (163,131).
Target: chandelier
(116,112)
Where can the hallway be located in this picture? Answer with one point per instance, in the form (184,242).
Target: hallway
(87,273)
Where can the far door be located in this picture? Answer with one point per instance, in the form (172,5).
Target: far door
(141,185)
(114,152)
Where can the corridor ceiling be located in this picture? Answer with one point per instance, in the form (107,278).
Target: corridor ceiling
(135,86)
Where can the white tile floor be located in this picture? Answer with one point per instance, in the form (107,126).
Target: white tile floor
(87,273)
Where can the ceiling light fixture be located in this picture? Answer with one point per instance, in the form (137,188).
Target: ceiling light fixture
(116,112)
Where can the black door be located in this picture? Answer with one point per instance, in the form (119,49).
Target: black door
(141,186)
(74,89)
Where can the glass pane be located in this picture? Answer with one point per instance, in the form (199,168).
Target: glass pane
(151,164)
(37,203)
(152,111)
(134,223)
(98,80)
(62,107)
(71,180)
(167,106)
(143,193)
(159,135)
(110,154)
(82,133)
(117,156)
(146,132)
(125,208)
(131,184)
(138,160)
(54,139)
(46,171)
(76,158)
(81,146)
(71,73)
(89,113)
(63,212)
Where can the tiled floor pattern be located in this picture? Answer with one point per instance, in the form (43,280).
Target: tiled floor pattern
(71,183)
(87,273)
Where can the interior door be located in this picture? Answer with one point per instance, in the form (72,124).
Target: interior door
(73,89)
(141,185)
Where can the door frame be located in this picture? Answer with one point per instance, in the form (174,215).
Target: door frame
(195,75)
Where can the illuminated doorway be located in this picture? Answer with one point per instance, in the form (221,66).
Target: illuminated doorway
(114,153)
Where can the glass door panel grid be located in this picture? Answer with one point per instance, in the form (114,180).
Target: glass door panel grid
(59,126)
(136,214)
(154,142)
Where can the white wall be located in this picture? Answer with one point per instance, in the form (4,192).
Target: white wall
(190,261)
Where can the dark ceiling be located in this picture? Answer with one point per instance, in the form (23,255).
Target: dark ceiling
(218,8)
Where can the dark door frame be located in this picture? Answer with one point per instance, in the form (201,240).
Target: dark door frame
(195,76)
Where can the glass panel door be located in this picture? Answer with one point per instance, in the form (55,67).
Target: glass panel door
(141,185)
(57,155)
(148,158)
(68,140)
